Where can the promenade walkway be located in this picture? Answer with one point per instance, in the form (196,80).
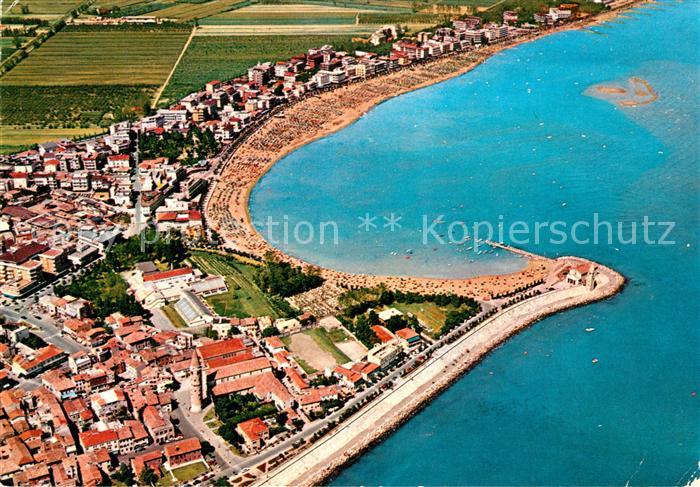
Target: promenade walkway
(315,464)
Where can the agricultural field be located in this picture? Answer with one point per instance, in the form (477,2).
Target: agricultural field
(225,57)
(44,9)
(285,14)
(7,45)
(100,57)
(184,11)
(13,139)
(287,30)
(85,79)
(243,297)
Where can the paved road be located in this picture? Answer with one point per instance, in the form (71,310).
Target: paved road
(46,329)
(310,429)
(193,425)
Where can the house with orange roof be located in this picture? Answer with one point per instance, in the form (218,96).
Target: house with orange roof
(79,412)
(283,360)
(254,433)
(349,378)
(38,361)
(409,339)
(158,425)
(384,335)
(59,385)
(94,440)
(311,400)
(183,452)
(35,475)
(90,474)
(152,459)
(107,404)
(274,345)
(296,380)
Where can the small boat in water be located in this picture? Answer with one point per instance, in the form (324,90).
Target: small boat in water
(590,329)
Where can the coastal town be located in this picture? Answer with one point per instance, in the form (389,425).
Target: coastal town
(127,354)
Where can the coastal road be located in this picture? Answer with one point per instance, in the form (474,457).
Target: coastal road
(312,428)
(430,378)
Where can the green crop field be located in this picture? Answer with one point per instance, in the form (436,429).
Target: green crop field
(13,139)
(224,57)
(85,78)
(100,57)
(190,11)
(41,8)
(243,297)
(285,14)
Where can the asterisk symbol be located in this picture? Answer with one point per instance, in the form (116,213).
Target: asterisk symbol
(367,222)
(392,222)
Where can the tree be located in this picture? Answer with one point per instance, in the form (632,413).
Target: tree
(18,42)
(148,476)
(207,448)
(270,331)
(124,475)
(222,482)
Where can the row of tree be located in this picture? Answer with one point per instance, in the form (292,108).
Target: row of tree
(283,279)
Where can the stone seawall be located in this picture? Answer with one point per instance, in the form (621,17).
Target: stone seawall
(449,366)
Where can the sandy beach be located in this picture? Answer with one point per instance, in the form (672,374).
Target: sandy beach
(321,114)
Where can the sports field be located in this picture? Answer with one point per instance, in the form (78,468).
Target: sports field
(100,57)
(225,57)
(243,297)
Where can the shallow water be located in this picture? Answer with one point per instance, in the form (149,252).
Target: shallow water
(523,136)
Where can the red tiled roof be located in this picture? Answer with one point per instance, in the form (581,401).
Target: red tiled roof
(24,253)
(296,378)
(406,333)
(274,342)
(253,429)
(157,276)
(94,438)
(382,333)
(221,347)
(246,367)
(181,447)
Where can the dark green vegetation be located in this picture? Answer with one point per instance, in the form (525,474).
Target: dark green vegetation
(124,475)
(283,279)
(88,77)
(357,302)
(72,106)
(225,57)
(243,298)
(236,408)
(33,341)
(104,286)
(190,148)
(107,291)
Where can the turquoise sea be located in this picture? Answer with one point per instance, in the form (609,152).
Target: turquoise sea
(525,137)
